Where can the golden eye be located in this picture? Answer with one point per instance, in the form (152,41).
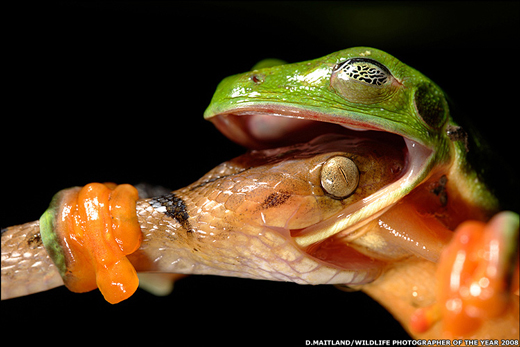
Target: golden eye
(362,80)
(339,177)
(366,71)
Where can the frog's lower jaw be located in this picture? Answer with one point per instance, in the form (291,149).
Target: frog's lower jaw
(369,225)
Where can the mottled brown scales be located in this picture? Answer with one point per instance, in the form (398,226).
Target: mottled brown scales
(276,199)
(175,208)
(34,240)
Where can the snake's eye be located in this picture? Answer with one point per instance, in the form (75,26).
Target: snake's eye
(362,80)
(339,177)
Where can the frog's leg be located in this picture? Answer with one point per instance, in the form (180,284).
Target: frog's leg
(477,282)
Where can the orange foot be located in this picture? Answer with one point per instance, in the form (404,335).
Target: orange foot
(88,232)
(477,281)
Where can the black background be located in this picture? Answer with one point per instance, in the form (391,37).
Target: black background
(115,91)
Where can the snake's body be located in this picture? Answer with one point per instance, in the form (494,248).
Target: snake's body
(26,266)
(234,221)
(28,269)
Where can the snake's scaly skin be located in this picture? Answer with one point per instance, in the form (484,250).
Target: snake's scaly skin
(261,255)
(234,221)
(26,266)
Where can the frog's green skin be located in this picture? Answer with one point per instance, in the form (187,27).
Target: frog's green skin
(408,104)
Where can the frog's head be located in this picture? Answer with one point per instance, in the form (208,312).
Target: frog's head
(354,91)
(358,88)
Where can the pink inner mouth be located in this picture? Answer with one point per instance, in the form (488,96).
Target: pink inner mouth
(261,130)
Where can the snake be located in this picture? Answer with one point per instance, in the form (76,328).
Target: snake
(221,225)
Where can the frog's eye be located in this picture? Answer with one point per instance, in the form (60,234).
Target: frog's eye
(431,105)
(339,177)
(362,80)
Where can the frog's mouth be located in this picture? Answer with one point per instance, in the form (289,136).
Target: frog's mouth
(262,127)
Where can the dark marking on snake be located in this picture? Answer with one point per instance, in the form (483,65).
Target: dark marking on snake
(34,241)
(275,199)
(175,208)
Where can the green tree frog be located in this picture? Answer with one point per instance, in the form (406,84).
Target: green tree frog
(365,92)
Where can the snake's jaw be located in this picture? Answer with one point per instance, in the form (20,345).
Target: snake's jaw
(248,251)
